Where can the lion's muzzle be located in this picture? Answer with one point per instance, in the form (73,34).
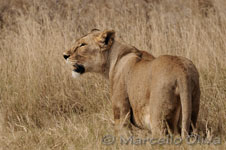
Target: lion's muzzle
(66,56)
(79,68)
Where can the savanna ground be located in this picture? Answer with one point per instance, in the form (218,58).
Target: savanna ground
(42,107)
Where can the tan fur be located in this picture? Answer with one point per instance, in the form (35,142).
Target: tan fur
(152,92)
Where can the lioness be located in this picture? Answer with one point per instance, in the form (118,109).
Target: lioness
(154,93)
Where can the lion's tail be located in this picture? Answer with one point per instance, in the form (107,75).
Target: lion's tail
(186,103)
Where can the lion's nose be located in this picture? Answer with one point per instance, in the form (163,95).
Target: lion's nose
(66,56)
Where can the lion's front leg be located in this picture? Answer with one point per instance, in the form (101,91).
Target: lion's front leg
(121,111)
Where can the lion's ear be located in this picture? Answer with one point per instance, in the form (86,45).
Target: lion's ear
(93,30)
(106,38)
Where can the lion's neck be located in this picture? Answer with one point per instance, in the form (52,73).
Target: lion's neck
(117,51)
(111,57)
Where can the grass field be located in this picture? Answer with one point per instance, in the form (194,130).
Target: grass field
(43,107)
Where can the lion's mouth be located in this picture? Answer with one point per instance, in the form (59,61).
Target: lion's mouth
(79,68)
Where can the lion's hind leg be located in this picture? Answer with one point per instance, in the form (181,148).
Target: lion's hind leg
(175,121)
(195,109)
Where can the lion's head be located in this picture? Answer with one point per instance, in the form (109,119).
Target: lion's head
(89,53)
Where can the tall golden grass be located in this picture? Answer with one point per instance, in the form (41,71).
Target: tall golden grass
(42,107)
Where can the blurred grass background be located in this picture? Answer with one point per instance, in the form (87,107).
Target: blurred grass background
(42,107)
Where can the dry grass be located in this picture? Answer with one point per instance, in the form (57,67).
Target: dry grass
(42,107)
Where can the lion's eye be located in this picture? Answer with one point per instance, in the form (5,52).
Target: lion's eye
(83,44)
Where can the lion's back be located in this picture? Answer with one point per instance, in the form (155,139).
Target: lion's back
(169,69)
